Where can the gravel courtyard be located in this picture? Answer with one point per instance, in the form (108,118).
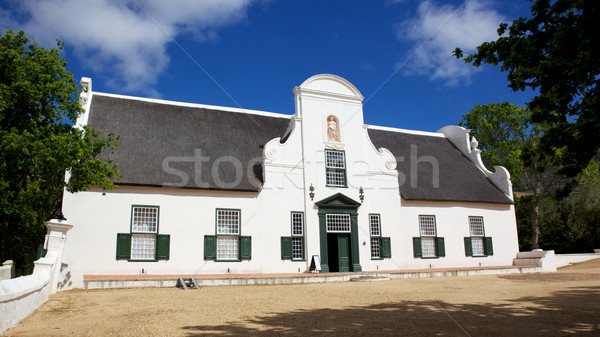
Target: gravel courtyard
(566,303)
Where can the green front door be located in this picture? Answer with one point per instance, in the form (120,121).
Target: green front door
(343,243)
(339,251)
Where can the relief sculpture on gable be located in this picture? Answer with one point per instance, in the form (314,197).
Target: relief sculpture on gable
(333,129)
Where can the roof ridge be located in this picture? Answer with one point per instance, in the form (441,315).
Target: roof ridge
(195,105)
(412,132)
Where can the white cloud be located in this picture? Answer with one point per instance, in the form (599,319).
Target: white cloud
(438,30)
(126,39)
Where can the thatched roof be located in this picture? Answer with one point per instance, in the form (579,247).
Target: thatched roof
(416,158)
(195,147)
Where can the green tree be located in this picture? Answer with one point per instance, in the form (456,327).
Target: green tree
(508,138)
(38,144)
(572,224)
(556,52)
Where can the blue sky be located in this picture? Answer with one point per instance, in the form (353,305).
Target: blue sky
(250,54)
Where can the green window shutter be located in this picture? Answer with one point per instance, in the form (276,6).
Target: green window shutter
(210,247)
(489,248)
(123,246)
(286,248)
(440,247)
(386,248)
(245,247)
(418,251)
(163,244)
(468,246)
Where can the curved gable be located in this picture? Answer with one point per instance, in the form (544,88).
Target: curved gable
(331,84)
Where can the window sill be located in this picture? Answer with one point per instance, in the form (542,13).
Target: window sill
(238,260)
(141,260)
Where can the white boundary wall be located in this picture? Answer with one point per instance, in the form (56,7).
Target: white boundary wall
(21,296)
(563,260)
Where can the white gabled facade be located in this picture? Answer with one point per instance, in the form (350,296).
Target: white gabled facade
(297,212)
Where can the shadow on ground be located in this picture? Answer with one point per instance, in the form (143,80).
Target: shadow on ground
(566,313)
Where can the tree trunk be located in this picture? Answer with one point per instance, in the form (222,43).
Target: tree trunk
(535,230)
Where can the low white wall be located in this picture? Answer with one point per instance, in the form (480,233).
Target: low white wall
(21,296)
(567,259)
(542,258)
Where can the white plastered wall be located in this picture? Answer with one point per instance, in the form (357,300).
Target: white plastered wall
(187,216)
(453,225)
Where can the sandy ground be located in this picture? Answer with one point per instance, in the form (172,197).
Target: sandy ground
(566,303)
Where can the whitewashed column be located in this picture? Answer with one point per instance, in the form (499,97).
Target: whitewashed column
(55,245)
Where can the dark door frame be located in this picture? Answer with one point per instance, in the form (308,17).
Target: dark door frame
(339,204)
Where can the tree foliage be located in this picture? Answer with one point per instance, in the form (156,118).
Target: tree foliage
(572,224)
(556,52)
(509,138)
(38,144)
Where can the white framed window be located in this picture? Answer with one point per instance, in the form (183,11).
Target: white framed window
(428,244)
(143,246)
(375,229)
(297,223)
(335,168)
(477,235)
(227,247)
(228,221)
(297,248)
(145,219)
(228,244)
(476,226)
(297,235)
(338,223)
(144,227)
(228,230)
(427,225)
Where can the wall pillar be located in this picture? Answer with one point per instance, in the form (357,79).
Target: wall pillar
(55,243)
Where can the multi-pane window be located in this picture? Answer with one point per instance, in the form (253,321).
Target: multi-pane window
(335,168)
(143,246)
(228,244)
(427,225)
(297,223)
(476,228)
(144,225)
(428,245)
(375,224)
(292,247)
(143,241)
(228,222)
(227,247)
(380,246)
(297,235)
(478,244)
(145,219)
(338,223)
(427,228)
(228,230)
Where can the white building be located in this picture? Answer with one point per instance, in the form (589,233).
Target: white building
(213,190)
